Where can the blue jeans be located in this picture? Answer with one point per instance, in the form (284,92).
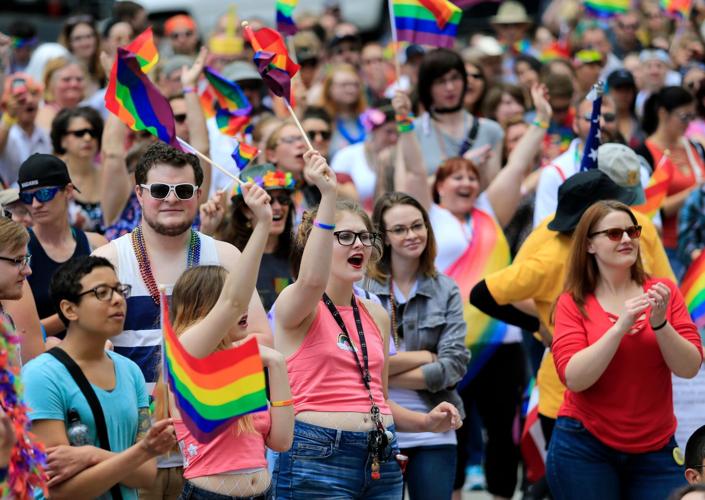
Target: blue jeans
(430,471)
(580,467)
(193,492)
(332,464)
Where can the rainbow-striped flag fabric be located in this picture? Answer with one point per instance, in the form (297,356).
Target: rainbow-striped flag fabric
(145,50)
(606,8)
(693,290)
(244,154)
(426,22)
(228,94)
(677,8)
(285,17)
(657,189)
(272,60)
(213,391)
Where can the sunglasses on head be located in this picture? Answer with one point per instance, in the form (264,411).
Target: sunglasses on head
(43,195)
(616,233)
(324,134)
(82,132)
(160,191)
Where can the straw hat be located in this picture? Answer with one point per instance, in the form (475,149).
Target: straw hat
(511,13)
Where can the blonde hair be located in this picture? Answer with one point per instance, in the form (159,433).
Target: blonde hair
(326,100)
(54,65)
(13,236)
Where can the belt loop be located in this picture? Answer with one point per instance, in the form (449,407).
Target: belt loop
(338,438)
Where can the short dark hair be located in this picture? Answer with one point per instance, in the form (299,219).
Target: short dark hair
(22,29)
(162,153)
(531,61)
(63,118)
(434,65)
(695,449)
(126,10)
(66,281)
(559,85)
(668,98)
(317,112)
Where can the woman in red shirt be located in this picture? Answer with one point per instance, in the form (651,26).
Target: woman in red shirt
(619,335)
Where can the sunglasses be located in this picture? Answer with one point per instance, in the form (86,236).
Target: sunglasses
(616,233)
(160,191)
(82,133)
(177,34)
(347,238)
(313,134)
(43,195)
(608,117)
(181,118)
(283,199)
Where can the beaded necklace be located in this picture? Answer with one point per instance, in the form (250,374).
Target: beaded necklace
(193,257)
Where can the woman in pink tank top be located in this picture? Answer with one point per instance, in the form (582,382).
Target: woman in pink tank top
(209,306)
(337,347)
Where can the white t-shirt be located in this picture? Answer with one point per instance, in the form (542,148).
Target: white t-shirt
(21,146)
(352,160)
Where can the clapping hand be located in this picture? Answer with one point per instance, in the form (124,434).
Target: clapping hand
(633,309)
(658,296)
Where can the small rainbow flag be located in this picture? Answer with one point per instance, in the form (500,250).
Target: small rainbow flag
(426,22)
(285,19)
(228,123)
(657,189)
(693,290)
(228,94)
(144,48)
(272,60)
(488,252)
(244,154)
(677,8)
(606,8)
(213,391)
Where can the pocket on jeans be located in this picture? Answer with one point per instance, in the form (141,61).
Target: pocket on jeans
(308,448)
(570,425)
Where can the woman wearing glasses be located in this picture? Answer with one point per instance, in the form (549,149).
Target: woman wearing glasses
(428,331)
(667,114)
(336,347)
(80,36)
(619,336)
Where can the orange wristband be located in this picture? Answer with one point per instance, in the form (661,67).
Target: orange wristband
(278,404)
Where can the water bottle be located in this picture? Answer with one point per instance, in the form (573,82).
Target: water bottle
(77,431)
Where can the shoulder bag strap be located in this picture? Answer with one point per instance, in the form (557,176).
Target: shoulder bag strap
(472,135)
(89,394)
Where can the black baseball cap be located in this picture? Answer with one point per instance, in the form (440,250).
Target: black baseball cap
(42,170)
(620,78)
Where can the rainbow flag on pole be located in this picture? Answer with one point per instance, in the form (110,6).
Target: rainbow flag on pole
(606,8)
(426,22)
(285,19)
(693,290)
(228,94)
(144,48)
(272,60)
(244,154)
(677,8)
(213,391)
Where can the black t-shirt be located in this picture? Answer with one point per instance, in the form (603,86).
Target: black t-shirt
(274,276)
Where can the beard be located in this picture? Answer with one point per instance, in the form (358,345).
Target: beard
(175,229)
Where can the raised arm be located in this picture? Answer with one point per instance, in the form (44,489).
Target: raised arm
(202,338)
(504,192)
(115,183)
(298,301)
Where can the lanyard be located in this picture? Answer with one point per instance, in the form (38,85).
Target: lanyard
(364,366)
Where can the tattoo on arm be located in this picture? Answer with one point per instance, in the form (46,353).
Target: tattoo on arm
(143,423)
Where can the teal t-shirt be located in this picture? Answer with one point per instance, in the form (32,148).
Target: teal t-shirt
(50,392)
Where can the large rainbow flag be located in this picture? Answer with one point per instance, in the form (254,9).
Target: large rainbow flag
(213,391)
(426,22)
(488,252)
(606,8)
(657,189)
(693,290)
(285,16)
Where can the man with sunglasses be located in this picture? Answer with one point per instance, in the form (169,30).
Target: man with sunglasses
(182,32)
(157,252)
(46,190)
(695,457)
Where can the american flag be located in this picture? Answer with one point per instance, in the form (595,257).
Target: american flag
(593,140)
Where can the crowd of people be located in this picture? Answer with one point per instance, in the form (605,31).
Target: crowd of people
(410,268)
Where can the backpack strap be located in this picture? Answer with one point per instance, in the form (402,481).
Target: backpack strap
(88,392)
(469,142)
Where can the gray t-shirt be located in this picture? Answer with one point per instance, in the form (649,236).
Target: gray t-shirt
(431,137)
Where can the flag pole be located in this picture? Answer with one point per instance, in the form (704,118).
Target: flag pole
(165,374)
(208,160)
(298,123)
(395,41)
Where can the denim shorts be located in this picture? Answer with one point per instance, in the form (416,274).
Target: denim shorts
(193,492)
(332,464)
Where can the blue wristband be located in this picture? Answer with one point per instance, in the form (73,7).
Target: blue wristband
(327,227)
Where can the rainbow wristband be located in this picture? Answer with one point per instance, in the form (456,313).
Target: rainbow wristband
(405,123)
(279,404)
(540,124)
(321,225)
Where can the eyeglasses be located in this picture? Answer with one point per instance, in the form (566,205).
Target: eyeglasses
(607,117)
(476,76)
(347,238)
(685,117)
(291,139)
(160,191)
(283,199)
(82,132)
(324,134)
(19,261)
(43,195)
(400,231)
(104,293)
(616,233)
(180,118)
(179,34)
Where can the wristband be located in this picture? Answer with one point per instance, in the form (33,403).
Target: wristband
(405,123)
(540,124)
(8,120)
(654,328)
(188,90)
(279,404)
(321,225)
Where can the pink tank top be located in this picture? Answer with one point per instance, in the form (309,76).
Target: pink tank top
(323,373)
(230,451)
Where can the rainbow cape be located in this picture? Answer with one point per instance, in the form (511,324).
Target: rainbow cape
(693,290)
(213,391)
(244,154)
(606,8)
(285,19)
(677,8)
(228,94)
(657,189)
(272,60)
(488,252)
(426,22)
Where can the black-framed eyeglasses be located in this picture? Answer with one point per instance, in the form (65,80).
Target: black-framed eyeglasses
(324,134)
(616,233)
(400,231)
(19,261)
(160,190)
(104,293)
(347,238)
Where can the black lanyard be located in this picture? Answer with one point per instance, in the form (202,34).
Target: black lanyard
(364,367)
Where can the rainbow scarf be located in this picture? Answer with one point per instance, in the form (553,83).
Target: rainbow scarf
(693,290)
(488,252)
(213,391)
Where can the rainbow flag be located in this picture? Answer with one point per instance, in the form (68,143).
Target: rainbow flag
(228,94)
(213,391)
(693,290)
(657,189)
(272,60)
(677,8)
(244,154)
(144,48)
(606,8)
(133,98)
(488,252)
(426,22)
(285,19)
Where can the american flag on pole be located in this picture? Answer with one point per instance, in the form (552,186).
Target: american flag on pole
(592,143)
(533,443)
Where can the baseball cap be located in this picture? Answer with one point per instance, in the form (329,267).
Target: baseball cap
(42,170)
(622,165)
(620,78)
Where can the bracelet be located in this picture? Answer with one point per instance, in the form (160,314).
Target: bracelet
(188,90)
(540,124)
(321,225)
(405,123)
(8,120)
(279,404)
(654,328)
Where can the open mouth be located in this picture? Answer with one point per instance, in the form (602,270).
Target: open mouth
(277,217)
(243,322)
(356,261)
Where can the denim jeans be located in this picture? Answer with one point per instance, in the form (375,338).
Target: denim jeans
(332,464)
(580,467)
(193,492)
(430,472)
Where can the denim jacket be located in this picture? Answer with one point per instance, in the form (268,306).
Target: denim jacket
(433,321)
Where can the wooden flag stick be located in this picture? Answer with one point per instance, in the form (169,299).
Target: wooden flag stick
(208,160)
(298,123)
(395,41)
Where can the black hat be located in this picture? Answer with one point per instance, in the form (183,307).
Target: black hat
(338,39)
(620,78)
(41,170)
(579,192)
